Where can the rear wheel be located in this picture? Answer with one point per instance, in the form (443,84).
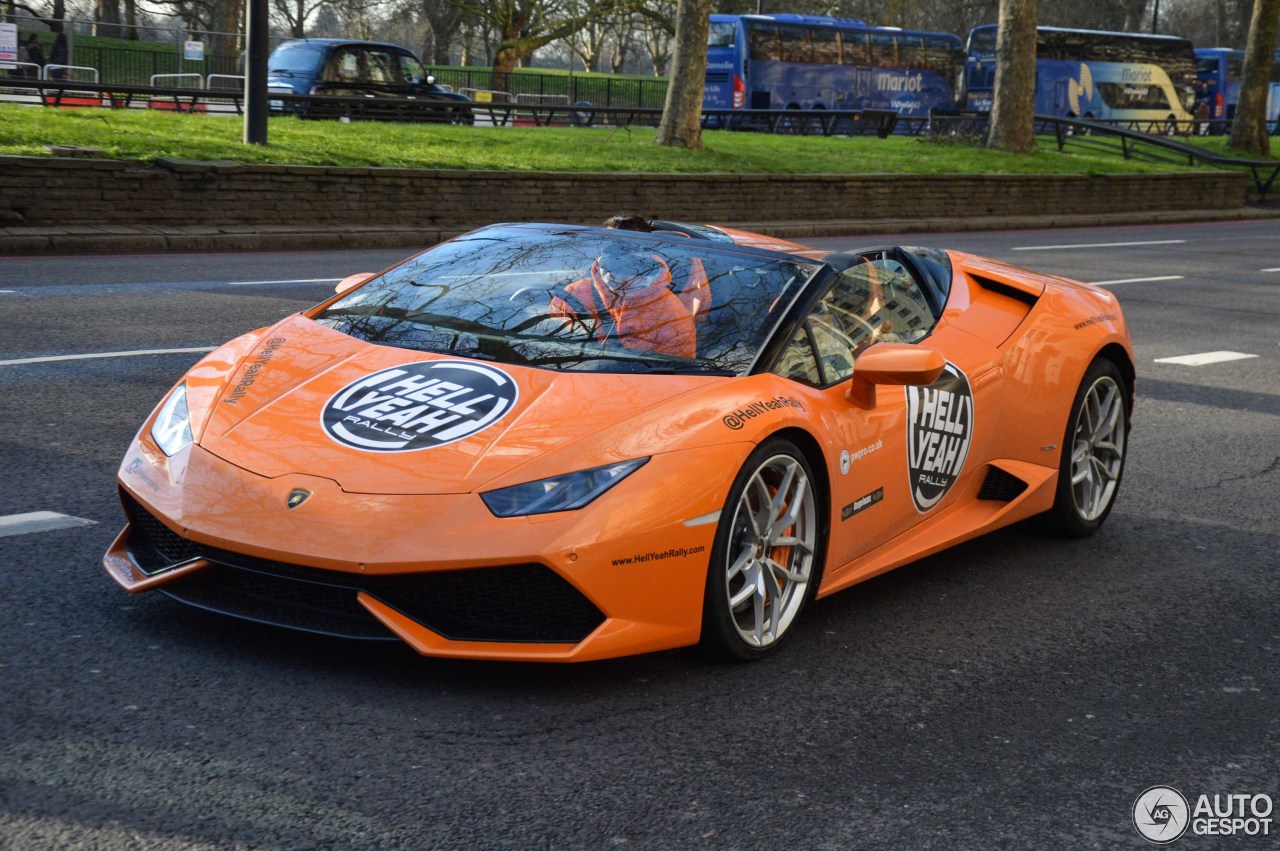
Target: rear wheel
(765,561)
(1093,452)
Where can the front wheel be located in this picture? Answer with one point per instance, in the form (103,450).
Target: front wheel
(765,561)
(1093,452)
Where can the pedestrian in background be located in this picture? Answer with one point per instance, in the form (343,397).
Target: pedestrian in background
(35,53)
(58,56)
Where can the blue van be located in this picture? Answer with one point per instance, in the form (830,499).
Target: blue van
(346,68)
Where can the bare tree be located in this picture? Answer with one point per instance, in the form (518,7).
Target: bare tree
(52,18)
(445,20)
(681,125)
(656,31)
(1249,128)
(296,13)
(588,43)
(524,26)
(1014,102)
(622,39)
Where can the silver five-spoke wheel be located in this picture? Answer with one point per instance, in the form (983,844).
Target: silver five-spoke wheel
(1093,451)
(1097,451)
(770,559)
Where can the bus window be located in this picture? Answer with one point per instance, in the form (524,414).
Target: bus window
(795,46)
(884,50)
(857,49)
(722,34)
(826,47)
(910,51)
(939,55)
(982,44)
(764,43)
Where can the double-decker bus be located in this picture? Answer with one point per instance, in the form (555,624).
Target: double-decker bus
(1218,73)
(1095,74)
(807,62)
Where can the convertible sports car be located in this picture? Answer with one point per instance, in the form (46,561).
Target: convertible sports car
(551,442)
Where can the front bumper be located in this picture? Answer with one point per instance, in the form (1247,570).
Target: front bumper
(624,575)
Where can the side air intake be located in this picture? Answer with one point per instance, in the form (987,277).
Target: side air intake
(1000,486)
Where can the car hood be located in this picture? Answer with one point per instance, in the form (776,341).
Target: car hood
(377,419)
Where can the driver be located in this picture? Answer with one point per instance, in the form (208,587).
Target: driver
(626,300)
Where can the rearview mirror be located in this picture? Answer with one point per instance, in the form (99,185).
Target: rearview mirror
(351,281)
(893,364)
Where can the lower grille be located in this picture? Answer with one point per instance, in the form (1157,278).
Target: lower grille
(1000,486)
(307,606)
(516,603)
(153,545)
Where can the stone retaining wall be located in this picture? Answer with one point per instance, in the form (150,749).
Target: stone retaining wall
(44,192)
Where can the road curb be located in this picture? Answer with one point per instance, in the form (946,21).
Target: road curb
(115,239)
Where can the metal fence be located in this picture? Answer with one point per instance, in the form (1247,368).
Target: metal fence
(123,66)
(597,90)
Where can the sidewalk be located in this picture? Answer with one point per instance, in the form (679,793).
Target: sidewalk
(117,239)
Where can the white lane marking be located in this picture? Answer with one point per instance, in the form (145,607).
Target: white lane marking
(1098,245)
(1136,280)
(15,292)
(39,521)
(1206,358)
(287,281)
(1277,269)
(96,355)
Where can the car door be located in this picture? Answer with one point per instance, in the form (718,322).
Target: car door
(899,459)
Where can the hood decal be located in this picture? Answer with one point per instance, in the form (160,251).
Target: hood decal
(939,431)
(418,406)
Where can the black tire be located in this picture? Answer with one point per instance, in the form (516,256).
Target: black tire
(722,635)
(1067,517)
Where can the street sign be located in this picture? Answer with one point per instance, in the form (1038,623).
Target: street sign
(193,51)
(9,45)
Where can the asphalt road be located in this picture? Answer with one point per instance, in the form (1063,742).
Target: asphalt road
(1015,692)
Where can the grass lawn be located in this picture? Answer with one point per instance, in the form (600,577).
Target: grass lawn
(145,136)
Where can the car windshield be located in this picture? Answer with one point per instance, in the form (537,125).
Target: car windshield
(579,300)
(297,57)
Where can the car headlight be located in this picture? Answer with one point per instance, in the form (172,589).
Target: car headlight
(559,493)
(172,429)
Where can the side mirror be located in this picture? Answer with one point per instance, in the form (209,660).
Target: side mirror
(351,281)
(892,364)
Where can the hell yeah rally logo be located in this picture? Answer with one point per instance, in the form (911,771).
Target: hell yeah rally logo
(418,406)
(939,431)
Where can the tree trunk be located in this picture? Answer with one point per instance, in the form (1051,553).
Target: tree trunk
(1014,103)
(681,125)
(108,15)
(503,64)
(1249,128)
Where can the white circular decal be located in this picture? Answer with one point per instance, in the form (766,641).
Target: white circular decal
(939,431)
(418,406)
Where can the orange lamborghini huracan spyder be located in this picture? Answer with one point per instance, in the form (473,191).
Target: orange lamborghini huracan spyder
(562,443)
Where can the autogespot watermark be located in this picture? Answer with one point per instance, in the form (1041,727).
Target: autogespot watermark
(1162,815)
